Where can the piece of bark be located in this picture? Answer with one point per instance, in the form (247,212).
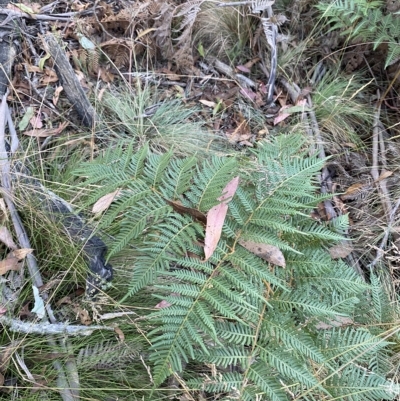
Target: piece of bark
(7,53)
(69,81)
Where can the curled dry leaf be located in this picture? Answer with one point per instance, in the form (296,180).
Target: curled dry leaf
(36,121)
(216,217)
(207,103)
(354,191)
(178,207)
(385,174)
(243,68)
(105,201)
(120,334)
(341,250)
(21,253)
(43,133)
(13,260)
(83,316)
(48,77)
(270,253)
(7,239)
(56,95)
(163,304)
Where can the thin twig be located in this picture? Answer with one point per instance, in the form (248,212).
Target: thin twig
(236,3)
(375,145)
(380,252)
(13,14)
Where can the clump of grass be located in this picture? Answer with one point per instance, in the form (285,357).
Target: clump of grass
(225,32)
(144,116)
(343,114)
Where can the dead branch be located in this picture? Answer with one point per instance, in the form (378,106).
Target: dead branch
(69,81)
(47,328)
(228,71)
(14,14)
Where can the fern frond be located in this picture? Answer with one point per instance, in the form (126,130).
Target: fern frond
(260,374)
(360,19)
(106,355)
(352,344)
(288,366)
(129,230)
(383,313)
(209,182)
(178,178)
(355,383)
(295,340)
(237,309)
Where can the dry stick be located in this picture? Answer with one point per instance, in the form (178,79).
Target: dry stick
(271,31)
(46,328)
(380,252)
(226,70)
(69,81)
(62,382)
(381,185)
(12,14)
(236,3)
(387,204)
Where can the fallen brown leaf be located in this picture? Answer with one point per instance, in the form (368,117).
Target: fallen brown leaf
(83,316)
(385,174)
(106,75)
(6,353)
(43,133)
(340,250)
(178,207)
(56,95)
(270,253)
(6,238)
(243,68)
(353,191)
(105,201)
(48,77)
(216,217)
(120,334)
(36,121)
(207,103)
(163,304)
(13,260)
(21,253)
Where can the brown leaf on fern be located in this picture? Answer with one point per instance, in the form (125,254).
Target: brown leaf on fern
(178,207)
(216,217)
(270,253)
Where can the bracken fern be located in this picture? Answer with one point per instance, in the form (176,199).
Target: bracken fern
(269,333)
(364,20)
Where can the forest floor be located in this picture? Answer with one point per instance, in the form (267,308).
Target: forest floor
(203,77)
